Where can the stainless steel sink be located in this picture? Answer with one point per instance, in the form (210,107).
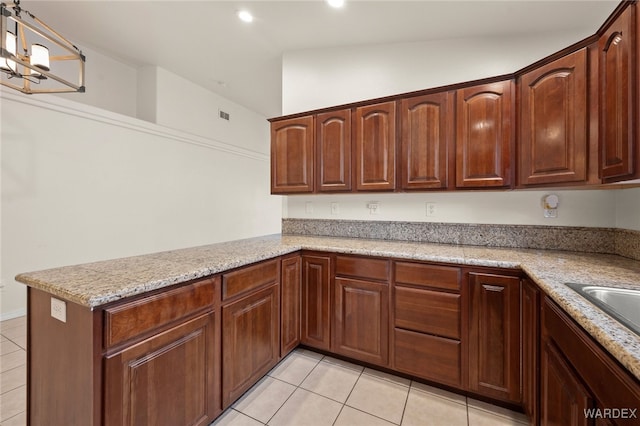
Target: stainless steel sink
(622,304)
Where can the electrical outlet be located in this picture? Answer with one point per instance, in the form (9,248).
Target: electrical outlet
(59,309)
(308,207)
(374,207)
(431,209)
(335,208)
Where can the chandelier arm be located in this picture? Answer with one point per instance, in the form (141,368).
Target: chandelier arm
(54,32)
(66,45)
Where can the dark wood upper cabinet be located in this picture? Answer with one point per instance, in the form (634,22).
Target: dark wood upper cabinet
(553,122)
(292,143)
(426,144)
(616,48)
(333,151)
(375,147)
(484,137)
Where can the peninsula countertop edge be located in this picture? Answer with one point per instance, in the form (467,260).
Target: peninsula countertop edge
(98,283)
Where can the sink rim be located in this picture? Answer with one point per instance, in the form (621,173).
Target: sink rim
(607,308)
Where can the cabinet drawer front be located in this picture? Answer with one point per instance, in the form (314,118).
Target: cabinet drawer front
(430,357)
(360,267)
(250,277)
(444,277)
(141,316)
(428,311)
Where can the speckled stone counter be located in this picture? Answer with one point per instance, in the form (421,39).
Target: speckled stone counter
(95,284)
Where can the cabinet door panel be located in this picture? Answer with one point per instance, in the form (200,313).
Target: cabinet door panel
(316,315)
(333,156)
(530,349)
(494,336)
(290,308)
(563,398)
(617,71)
(250,341)
(427,141)
(292,143)
(484,136)
(168,379)
(554,117)
(375,147)
(361,320)
(430,357)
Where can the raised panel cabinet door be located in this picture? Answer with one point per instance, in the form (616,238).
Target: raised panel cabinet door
(250,341)
(494,336)
(333,151)
(553,122)
(426,141)
(169,379)
(617,88)
(316,297)
(292,144)
(361,315)
(530,349)
(484,138)
(375,147)
(290,304)
(563,398)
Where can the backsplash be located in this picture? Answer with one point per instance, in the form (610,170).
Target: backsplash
(583,239)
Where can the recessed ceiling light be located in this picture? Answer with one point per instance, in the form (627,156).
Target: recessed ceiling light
(245,16)
(336,3)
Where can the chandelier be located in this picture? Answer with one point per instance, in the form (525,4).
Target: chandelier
(33,57)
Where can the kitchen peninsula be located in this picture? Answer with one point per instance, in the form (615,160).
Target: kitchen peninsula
(116,342)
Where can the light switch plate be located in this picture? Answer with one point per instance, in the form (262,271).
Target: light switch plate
(59,309)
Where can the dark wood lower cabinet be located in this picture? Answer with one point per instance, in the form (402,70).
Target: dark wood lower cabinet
(430,357)
(290,304)
(361,320)
(581,384)
(494,336)
(179,356)
(316,302)
(250,341)
(530,305)
(168,379)
(564,398)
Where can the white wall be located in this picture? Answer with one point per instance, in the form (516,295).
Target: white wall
(183,105)
(577,208)
(110,84)
(327,77)
(628,208)
(319,78)
(82,184)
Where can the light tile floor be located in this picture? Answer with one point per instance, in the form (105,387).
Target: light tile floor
(13,372)
(309,389)
(304,389)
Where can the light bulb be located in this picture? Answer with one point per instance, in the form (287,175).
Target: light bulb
(40,56)
(245,16)
(336,3)
(10,41)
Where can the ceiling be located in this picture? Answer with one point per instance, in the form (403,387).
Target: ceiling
(205,42)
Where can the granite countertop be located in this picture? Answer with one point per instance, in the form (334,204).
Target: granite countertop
(98,283)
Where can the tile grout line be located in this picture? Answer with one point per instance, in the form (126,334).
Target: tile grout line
(296,387)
